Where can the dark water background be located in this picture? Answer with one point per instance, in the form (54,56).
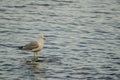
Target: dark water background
(82,39)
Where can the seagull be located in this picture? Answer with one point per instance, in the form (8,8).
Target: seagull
(34,46)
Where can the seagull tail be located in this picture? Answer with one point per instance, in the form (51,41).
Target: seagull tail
(20,47)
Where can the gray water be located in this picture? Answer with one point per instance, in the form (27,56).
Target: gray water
(82,39)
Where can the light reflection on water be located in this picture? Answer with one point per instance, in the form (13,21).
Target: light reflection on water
(82,39)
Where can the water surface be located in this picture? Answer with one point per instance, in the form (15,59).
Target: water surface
(82,39)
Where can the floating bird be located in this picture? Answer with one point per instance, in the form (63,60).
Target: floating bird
(34,46)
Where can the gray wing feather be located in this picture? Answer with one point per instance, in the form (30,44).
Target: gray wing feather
(31,46)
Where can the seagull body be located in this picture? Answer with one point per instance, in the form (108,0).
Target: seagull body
(34,46)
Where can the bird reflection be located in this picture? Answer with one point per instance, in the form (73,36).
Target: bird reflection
(35,69)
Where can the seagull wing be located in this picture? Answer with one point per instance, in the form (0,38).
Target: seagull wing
(31,46)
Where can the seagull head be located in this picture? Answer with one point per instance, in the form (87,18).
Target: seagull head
(42,37)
